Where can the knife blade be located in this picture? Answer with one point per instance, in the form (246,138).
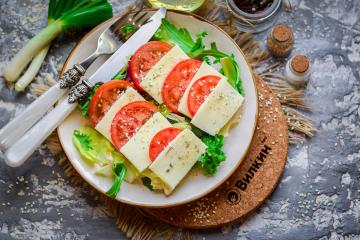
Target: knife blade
(19,152)
(111,67)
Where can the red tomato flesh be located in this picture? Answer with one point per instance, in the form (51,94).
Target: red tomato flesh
(145,58)
(128,120)
(199,92)
(161,140)
(177,81)
(104,98)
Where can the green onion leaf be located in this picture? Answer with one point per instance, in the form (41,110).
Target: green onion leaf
(62,15)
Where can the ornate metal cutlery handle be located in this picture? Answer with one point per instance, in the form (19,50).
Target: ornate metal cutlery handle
(79,92)
(72,76)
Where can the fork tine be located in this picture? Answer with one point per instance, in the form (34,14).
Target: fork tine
(140,20)
(135,14)
(137,19)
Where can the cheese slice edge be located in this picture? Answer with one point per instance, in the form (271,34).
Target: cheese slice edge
(218,108)
(154,79)
(136,150)
(204,70)
(176,160)
(104,126)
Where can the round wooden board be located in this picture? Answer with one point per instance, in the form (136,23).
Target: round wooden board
(251,184)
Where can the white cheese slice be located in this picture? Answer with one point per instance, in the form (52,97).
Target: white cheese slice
(104,126)
(154,79)
(204,70)
(136,150)
(176,160)
(218,108)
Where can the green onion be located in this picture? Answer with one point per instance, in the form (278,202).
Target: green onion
(32,70)
(63,15)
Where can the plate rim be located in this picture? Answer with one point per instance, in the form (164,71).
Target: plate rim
(189,14)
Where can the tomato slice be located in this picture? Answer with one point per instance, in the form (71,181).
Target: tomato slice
(199,92)
(145,58)
(104,97)
(177,81)
(129,119)
(161,140)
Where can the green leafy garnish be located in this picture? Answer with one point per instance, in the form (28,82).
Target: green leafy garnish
(165,111)
(128,28)
(196,49)
(231,70)
(147,183)
(93,147)
(119,171)
(214,155)
(123,71)
(83,139)
(211,159)
(182,37)
(82,143)
(84,107)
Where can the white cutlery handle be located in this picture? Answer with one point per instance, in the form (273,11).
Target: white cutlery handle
(22,149)
(25,120)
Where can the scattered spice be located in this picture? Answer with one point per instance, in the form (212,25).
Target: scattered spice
(280,40)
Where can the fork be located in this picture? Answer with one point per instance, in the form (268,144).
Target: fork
(109,41)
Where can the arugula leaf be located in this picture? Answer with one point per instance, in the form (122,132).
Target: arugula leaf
(122,74)
(211,159)
(83,139)
(161,35)
(179,36)
(212,52)
(231,70)
(147,183)
(119,170)
(84,107)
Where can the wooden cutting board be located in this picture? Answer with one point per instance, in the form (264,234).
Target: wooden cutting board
(251,184)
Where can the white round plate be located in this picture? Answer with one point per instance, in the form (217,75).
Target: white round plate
(195,185)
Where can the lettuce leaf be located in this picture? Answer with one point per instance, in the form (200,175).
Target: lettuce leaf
(95,148)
